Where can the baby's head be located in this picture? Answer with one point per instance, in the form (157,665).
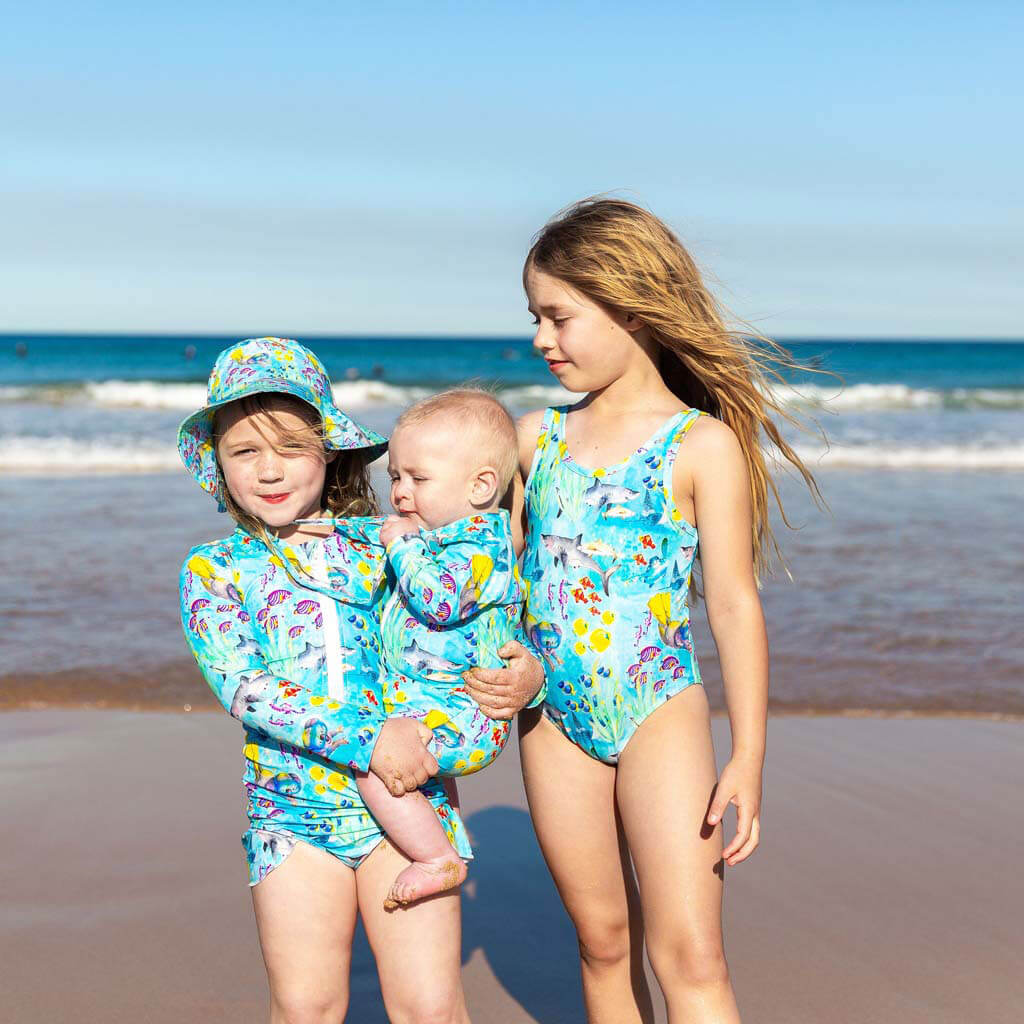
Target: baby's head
(452,455)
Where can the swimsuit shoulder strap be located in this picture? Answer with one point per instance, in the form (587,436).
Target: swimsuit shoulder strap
(552,430)
(674,438)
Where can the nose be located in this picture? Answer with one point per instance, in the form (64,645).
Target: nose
(542,340)
(399,492)
(270,466)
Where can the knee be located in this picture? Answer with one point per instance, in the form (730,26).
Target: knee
(604,945)
(304,1007)
(426,1008)
(689,961)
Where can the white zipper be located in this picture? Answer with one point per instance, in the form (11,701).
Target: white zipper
(331,631)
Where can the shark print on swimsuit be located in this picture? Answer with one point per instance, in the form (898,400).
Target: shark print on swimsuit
(608,564)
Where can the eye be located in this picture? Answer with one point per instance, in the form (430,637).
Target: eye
(535,322)
(559,320)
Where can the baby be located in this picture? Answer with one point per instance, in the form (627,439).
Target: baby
(457,598)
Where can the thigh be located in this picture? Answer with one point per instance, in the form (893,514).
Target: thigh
(665,783)
(306,915)
(572,803)
(418,948)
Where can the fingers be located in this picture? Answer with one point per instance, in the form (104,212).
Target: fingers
(513,649)
(487,677)
(748,847)
(744,827)
(718,806)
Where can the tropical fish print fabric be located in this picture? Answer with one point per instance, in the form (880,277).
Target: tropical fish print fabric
(289,642)
(457,599)
(607,568)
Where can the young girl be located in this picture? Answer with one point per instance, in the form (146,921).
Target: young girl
(284,621)
(663,449)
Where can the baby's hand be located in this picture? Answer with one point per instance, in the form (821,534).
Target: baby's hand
(396,526)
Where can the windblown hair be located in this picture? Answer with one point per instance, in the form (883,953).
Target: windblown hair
(480,415)
(623,257)
(347,490)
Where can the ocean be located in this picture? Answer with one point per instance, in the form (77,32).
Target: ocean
(906,593)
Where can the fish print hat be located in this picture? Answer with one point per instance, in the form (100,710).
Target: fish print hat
(261,365)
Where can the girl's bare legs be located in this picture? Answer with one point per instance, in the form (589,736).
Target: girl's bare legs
(572,802)
(418,949)
(415,829)
(306,915)
(666,777)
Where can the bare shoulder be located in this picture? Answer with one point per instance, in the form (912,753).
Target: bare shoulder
(528,427)
(713,437)
(711,448)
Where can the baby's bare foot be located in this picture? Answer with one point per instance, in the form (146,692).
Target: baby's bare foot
(426,878)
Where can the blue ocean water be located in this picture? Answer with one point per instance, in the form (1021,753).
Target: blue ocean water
(437,362)
(88,404)
(903,592)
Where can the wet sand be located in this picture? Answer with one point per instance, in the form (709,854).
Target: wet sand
(886,888)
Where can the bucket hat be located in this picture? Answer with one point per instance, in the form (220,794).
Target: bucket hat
(258,366)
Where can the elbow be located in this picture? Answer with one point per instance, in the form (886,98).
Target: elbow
(738,605)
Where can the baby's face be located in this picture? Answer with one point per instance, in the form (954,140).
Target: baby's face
(432,468)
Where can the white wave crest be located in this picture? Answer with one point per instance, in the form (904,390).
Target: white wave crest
(147,394)
(364,393)
(895,396)
(68,456)
(950,456)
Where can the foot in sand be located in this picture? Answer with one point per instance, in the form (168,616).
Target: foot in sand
(425,878)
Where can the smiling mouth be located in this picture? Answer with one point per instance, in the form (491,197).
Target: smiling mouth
(274,499)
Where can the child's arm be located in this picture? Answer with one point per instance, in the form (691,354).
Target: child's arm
(452,587)
(527,430)
(711,476)
(224,645)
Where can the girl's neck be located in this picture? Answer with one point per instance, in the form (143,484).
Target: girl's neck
(640,389)
(305,531)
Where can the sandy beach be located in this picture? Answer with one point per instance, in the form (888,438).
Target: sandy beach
(886,887)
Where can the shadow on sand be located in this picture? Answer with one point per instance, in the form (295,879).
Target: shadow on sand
(512,913)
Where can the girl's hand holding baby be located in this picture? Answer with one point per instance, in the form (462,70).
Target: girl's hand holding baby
(398,526)
(503,692)
(400,757)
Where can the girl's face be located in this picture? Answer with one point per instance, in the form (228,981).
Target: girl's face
(586,346)
(276,476)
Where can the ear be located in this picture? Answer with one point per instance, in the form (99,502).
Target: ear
(483,486)
(627,321)
(632,323)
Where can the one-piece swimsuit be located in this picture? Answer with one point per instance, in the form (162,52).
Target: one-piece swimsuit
(607,568)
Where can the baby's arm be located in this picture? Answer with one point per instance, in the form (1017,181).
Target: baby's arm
(224,645)
(448,588)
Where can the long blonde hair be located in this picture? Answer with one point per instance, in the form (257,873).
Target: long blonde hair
(623,257)
(347,490)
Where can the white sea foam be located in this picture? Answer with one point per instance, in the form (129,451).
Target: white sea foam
(362,394)
(897,396)
(948,456)
(68,456)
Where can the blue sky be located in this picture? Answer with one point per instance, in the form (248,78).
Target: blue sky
(845,169)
